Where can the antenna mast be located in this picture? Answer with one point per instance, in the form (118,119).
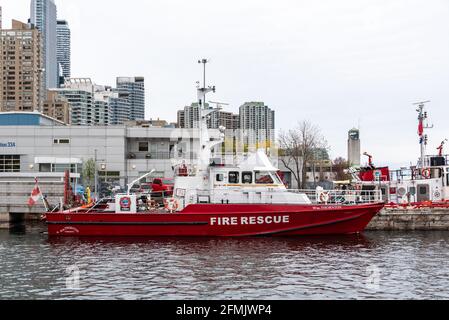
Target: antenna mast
(423,138)
(203,113)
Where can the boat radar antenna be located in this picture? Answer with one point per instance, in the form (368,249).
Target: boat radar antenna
(423,138)
(219,105)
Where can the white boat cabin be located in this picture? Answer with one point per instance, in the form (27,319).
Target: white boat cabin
(253,181)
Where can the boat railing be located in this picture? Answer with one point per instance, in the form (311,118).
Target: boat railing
(341,196)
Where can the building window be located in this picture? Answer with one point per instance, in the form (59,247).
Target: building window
(9,163)
(143,147)
(220,177)
(61,141)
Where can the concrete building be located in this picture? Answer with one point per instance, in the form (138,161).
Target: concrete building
(257,121)
(134,87)
(57,107)
(43,16)
(21,86)
(354,148)
(64,48)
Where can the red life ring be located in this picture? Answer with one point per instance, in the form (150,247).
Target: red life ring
(324,197)
(426,173)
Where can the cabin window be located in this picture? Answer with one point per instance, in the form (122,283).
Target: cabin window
(233,177)
(219,177)
(247,177)
(263,178)
(447,179)
(412,191)
(423,190)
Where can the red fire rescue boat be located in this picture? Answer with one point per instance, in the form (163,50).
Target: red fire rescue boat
(241,199)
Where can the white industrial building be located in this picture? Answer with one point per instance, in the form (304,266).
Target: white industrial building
(44,149)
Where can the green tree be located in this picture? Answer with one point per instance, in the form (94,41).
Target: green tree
(88,174)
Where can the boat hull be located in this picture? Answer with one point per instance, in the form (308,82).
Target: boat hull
(219,221)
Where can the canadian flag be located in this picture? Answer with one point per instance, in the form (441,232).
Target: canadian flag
(420,128)
(35,195)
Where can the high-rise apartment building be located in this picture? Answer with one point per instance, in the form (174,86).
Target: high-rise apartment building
(63,48)
(20,68)
(224,119)
(181,119)
(192,116)
(257,122)
(189,118)
(79,92)
(120,107)
(43,16)
(57,107)
(134,87)
(103,109)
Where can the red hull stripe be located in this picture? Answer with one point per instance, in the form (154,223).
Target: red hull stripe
(93,223)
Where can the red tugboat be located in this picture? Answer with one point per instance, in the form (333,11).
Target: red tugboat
(210,200)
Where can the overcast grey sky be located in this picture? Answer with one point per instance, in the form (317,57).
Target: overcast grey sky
(339,64)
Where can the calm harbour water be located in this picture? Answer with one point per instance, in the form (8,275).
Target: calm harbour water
(377,265)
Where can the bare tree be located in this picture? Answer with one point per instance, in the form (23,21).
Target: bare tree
(298,148)
(340,167)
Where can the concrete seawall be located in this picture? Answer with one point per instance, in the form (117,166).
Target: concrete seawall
(424,219)
(14,200)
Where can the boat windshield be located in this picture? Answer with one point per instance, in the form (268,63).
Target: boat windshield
(265,177)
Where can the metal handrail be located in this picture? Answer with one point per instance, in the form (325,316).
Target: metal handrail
(342,196)
(322,196)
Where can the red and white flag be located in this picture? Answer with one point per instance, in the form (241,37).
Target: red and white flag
(35,195)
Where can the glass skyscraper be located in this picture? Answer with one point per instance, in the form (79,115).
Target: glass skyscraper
(43,16)
(63,47)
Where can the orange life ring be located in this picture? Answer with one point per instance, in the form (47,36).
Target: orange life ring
(426,173)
